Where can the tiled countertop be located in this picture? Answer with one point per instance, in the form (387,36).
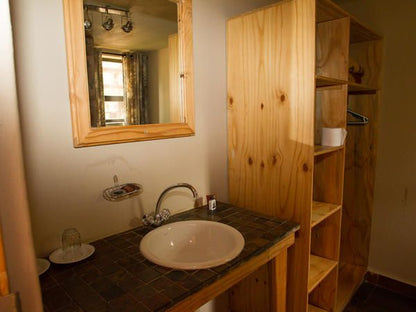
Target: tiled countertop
(118,278)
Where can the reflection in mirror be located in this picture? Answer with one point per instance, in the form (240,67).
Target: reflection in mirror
(130,70)
(132,62)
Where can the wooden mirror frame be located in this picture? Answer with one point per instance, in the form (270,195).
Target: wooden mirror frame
(82,132)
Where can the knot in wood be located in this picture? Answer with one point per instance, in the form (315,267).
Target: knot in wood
(250,161)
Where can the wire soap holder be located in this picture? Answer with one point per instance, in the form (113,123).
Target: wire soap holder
(123,191)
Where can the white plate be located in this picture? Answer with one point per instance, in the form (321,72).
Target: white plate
(71,256)
(42,265)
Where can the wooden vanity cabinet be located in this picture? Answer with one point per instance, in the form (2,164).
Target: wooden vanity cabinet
(288,76)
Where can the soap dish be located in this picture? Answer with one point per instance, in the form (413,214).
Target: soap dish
(124,191)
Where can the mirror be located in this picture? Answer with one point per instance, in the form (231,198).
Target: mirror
(130,69)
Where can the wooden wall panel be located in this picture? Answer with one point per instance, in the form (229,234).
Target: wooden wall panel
(332,41)
(328,178)
(369,56)
(324,295)
(361,159)
(359,182)
(270,122)
(330,109)
(326,236)
(257,285)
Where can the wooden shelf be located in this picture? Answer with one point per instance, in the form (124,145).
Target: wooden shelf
(361,33)
(319,268)
(349,279)
(321,150)
(326,11)
(321,211)
(357,88)
(321,81)
(312,308)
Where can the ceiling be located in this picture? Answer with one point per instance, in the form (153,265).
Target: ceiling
(153,21)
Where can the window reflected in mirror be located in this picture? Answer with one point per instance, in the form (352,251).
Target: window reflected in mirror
(133,62)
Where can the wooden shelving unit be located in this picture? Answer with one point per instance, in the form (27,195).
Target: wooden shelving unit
(318,270)
(322,82)
(321,211)
(357,88)
(312,308)
(321,150)
(351,277)
(277,165)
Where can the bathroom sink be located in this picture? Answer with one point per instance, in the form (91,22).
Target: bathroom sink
(191,245)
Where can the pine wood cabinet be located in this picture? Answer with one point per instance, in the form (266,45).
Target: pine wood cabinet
(288,76)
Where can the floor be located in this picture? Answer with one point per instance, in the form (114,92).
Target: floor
(371,298)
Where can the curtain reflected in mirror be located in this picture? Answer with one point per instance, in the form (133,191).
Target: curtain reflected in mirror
(133,63)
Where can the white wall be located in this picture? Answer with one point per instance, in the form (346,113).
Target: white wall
(15,229)
(393,236)
(65,184)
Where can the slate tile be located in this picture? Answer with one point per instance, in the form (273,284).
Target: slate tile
(175,292)
(126,303)
(176,275)
(149,275)
(55,298)
(156,302)
(107,289)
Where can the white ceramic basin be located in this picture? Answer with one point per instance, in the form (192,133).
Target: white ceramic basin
(191,245)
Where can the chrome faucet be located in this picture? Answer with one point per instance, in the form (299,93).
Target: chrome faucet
(159,216)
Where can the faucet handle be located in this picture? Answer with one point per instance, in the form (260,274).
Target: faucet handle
(165,214)
(156,220)
(147,219)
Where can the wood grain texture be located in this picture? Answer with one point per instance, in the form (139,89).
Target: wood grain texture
(208,293)
(359,182)
(321,150)
(270,55)
(4,282)
(326,10)
(319,269)
(321,211)
(332,49)
(369,56)
(252,293)
(324,295)
(359,88)
(349,279)
(361,157)
(10,303)
(83,134)
(329,177)
(361,33)
(278,282)
(312,308)
(264,289)
(330,109)
(322,81)
(325,237)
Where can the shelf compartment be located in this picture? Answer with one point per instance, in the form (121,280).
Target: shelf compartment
(357,88)
(321,211)
(321,81)
(349,279)
(361,33)
(319,268)
(321,150)
(326,10)
(312,308)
